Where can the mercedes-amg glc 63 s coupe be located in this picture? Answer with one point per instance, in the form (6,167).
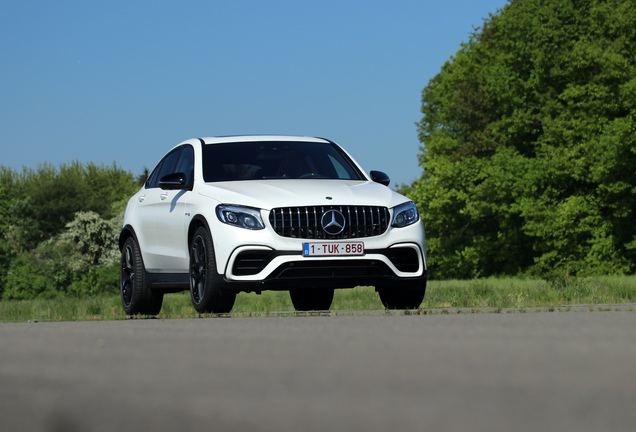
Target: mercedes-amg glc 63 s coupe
(223,215)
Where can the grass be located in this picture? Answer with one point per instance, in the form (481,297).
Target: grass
(525,293)
(478,293)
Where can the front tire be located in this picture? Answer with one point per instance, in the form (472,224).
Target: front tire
(136,296)
(311,299)
(207,296)
(402,297)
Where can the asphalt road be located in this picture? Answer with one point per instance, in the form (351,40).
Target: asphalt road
(557,371)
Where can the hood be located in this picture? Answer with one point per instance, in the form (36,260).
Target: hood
(268,194)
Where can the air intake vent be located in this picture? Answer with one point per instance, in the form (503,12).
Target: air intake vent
(404,259)
(250,263)
(306,222)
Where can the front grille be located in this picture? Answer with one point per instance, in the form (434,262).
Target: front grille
(305,222)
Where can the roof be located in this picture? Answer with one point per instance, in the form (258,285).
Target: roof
(252,138)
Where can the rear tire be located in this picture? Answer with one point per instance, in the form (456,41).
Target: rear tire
(310,299)
(207,296)
(136,296)
(402,297)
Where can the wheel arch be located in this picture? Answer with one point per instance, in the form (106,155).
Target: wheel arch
(127,232)
(200,221)
(197,221)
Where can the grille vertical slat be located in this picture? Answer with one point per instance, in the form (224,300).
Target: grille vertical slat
(282,220)
(291,227)
(364,220)
(357,222)
(273,220)
(305,222)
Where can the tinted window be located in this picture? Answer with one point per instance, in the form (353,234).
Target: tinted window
(165,167)
(186,164)
(152,178)
(276,160)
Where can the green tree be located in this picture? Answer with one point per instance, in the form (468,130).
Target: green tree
(6,182)
(529,144)
(39,273)
(81,261)
(55,195)
(95,240)
(59,225)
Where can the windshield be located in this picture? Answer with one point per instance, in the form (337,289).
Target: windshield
(276,160)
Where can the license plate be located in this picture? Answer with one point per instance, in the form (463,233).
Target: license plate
(333,249)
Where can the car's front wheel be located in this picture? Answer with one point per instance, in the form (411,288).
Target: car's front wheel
(136,296)
(308,299)
(402,297)
(207,296)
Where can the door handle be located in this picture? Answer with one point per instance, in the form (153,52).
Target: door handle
(141,198)
(163,196)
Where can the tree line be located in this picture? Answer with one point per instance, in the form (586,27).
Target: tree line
(528,146)
(59,229)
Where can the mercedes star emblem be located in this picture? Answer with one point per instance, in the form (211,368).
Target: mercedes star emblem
(333,222)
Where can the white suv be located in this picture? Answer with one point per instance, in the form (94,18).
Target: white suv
(223,215)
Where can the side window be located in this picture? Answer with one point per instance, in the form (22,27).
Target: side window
(152,178)
(186,164)
(165,167)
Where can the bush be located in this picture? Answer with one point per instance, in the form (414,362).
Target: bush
(59,229)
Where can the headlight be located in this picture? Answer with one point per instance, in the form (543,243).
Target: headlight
(405,215)
(242,217)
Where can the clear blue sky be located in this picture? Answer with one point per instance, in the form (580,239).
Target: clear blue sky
(123,81)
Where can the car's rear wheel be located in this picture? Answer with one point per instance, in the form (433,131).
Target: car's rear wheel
(207,296)
(308,299)
(402,297)
(136,296)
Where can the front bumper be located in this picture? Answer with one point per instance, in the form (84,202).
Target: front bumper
(255,268)
(263,260)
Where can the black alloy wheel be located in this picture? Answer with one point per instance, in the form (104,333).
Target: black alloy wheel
(127,275)
(207,296)
(136,296)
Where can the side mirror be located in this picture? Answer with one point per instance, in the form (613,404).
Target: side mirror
(173,181)
(380,177)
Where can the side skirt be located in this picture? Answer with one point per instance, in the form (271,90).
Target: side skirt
(168,282)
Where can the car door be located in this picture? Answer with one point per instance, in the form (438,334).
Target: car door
(163,217)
